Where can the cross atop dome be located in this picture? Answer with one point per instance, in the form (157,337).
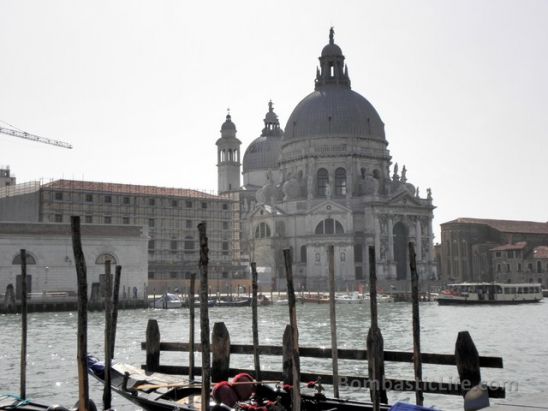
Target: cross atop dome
(331,35)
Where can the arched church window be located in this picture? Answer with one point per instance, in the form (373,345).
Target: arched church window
(329,226)
(303,254)
(322,182)
(340,182)
(262,231)
(376,174)
(362,172)
(30,259)
(106,257)
(539,267)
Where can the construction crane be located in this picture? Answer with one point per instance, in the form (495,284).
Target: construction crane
(32,137)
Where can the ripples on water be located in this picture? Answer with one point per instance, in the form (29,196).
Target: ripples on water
(517,333)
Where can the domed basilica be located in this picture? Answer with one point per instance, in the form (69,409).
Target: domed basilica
(325,181)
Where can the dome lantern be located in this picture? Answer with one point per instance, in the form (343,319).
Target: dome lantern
(332,68)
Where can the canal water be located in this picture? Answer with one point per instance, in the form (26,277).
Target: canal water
(517,333)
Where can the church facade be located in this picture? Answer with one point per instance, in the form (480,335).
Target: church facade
(326,180)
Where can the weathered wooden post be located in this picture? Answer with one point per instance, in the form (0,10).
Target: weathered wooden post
(220,350)
(23,381)
(152,346)
(115,302)
(107,303)
(204,317)
(468,362)
(375,349)
(296,391)
(333,320)
(81,272)
(417,361)
(255,321)
(191,293)
(287,356)
(10,305)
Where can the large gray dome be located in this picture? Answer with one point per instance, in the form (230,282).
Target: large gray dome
(334,111)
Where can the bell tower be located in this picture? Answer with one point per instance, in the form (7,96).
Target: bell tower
(228,158)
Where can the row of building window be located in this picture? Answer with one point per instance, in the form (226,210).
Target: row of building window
(188,244)
(327,226)
(31,260)
(530,267)
(108,199)
(509,254)
(88,219)
(178,275)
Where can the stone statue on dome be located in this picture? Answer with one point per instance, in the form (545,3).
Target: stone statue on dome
(395,176)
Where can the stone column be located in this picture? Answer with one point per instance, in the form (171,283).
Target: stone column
(377,242)
(311,178)
(390,239)
(418,239)
(430,240)
(349,179)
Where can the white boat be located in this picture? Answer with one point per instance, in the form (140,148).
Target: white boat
(349,299)
(490,293)
(167,300)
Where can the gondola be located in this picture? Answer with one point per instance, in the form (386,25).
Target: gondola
(154,393)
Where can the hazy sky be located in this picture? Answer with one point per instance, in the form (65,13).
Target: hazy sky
(140,88)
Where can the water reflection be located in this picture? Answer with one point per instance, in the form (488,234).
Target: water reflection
(517,333)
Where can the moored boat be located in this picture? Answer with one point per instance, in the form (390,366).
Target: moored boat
(235,302)
(167,300)
(13,402)
(153,393)
(353,298)
(490,293)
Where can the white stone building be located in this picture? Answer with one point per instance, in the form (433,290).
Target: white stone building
(326,181)
(50,258)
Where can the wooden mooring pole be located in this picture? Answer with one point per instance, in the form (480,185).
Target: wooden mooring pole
(296,391)
(333,320)
(107,299)
(191,293)
(81,272)
(255,321)
(468,362)
(417,361)
(220,349)
(375,344)
(23,380)
(204,317)
(115,303)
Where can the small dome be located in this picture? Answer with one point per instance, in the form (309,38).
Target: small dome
(228,124)
(331,50)
(262,154)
